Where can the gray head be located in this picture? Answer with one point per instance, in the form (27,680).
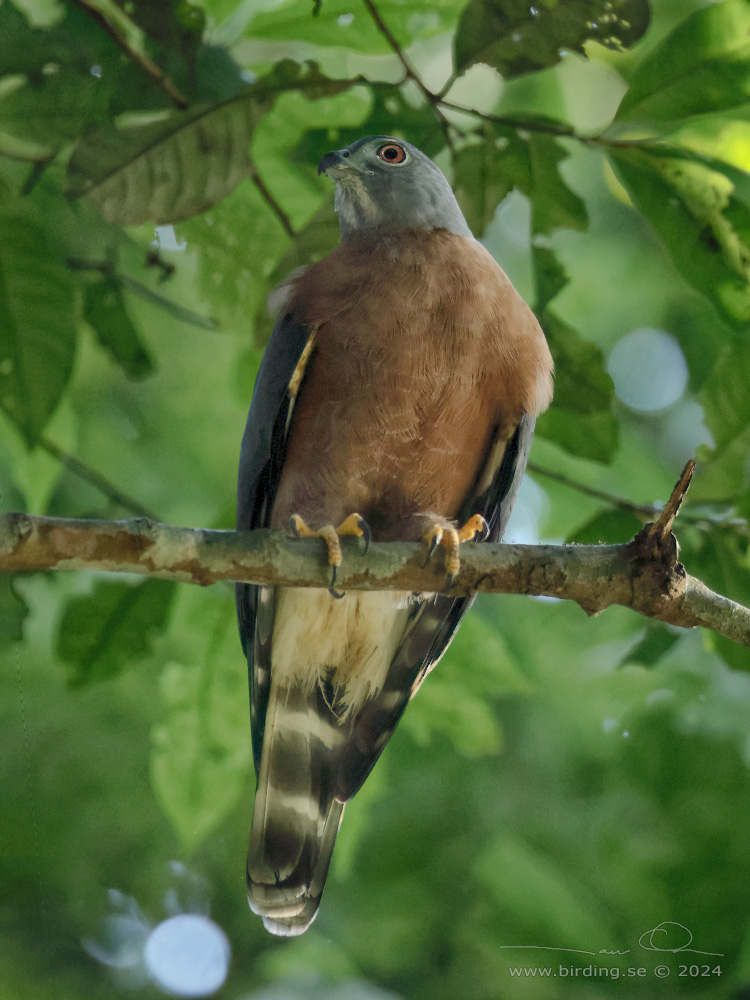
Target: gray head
(384,184)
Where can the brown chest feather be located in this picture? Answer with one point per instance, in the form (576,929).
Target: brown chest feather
(423,349)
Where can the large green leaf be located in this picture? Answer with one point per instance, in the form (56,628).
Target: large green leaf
(517,37)
(529,161)
(581,417)
(694,211)
(700,67)
(200,759)
(725,469)
(104,632)
(37,324)
(340,23)
(104,309)
(186,162)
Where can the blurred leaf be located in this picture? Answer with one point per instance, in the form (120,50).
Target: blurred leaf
(104,309)
(703,65)
(704,228)
(184,163)
(581,383)
(581,417)
(339,23)
(550,277)
(37,325)
(200,759)
(517,37)
(607,528)
(725,397)
(456,701)
(13,611)
(589,435)
(110,629)
(540,896)
(657,640)
(390,114)
(725,468)
(721,559)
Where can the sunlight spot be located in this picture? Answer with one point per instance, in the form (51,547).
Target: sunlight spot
(609,724)
(188,956)
(166,239)
(247,75)
(649,370)
(96,71)
(344,20)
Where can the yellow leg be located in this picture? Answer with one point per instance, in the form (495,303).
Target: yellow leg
(450,538)
(355,524)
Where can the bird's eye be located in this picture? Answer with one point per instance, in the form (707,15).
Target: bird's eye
(391,153)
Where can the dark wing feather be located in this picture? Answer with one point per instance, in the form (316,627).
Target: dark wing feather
(261,459)
(433,623)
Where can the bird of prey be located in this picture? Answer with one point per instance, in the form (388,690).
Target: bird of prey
(396,400)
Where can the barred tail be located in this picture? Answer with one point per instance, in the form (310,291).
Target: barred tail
(295,817)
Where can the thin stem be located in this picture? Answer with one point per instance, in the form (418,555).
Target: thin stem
(642,510)
(271,202)
(95,478)
(146,64)
(411,74)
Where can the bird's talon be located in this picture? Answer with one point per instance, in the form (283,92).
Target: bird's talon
(450,577)
(335,594)
(364,527)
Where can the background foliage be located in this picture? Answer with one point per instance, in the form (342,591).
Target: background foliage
(559,781)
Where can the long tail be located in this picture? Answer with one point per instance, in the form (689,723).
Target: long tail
(296,817)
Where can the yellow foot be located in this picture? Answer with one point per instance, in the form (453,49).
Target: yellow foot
(450,538)
(355,524)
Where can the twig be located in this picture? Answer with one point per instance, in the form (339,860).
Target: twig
(271,201)
(642,510)
(595,576)
(95,478)
(411,74)
(107,22)
(663,527)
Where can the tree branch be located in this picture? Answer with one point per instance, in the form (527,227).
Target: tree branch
(643,575)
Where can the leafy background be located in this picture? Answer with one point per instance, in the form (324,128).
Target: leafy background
(559,781)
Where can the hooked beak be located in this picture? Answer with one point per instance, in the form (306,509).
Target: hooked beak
(332,164)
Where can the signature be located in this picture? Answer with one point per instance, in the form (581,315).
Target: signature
(668,936)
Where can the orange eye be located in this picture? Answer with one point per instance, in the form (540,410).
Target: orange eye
(391,153)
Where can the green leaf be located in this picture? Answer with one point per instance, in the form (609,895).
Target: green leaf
(342,24)
(104,309)
(537,892)
(702,66)
(517,37)
(37,325)
(200,759)
(607,528)
(550,277)
(725,468)
(185,162)
(581,383)
(588,435)
(656,642)
(13,612)
(110,629)
(720,558)
(478,183)
(581,417)
(705,229)
(507,159)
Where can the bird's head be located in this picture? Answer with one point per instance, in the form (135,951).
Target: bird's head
(384,184)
